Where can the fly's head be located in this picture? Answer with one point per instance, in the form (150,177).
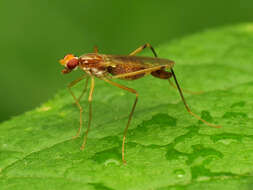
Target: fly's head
(70,62)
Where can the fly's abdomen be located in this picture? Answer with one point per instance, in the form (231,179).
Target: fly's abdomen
(123,69)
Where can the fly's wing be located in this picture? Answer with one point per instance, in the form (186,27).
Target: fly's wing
(137,61)
(118,65)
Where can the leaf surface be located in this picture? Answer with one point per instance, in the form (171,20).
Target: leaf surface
(166,147)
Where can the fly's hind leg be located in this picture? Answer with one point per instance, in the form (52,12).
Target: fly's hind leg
(184,90)
(186,105)
(77,102)
(138,50)
(167,75)
(162,72)
(131,113)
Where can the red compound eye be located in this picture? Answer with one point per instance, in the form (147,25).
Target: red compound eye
(72,63)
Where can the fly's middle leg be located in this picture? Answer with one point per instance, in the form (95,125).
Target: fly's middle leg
(90,112)
(77,101)
(131,113)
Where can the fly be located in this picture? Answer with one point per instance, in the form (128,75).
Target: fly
(129,67)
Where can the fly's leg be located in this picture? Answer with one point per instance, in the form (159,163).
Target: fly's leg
(131,113)
(167,75)
(138,50)
(77,101)
(161,73)
(184,90)
(157,69)
(84,89)
(90,112)
(187,107)
(95,49)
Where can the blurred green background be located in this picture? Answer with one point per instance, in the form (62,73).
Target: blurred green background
(34,35)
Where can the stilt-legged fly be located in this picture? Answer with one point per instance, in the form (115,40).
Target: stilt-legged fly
(128,67)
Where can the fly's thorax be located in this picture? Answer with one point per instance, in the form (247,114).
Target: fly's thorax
(93,64)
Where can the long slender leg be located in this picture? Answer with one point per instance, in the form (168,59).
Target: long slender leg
(138,50)
(177,85)
(84,89)
(184,90)
(156,68)
(77,101)
(131,113)
(187,107)
(90,112)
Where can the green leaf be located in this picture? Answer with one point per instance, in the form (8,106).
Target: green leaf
(166,147)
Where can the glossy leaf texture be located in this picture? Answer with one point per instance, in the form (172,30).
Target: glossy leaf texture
(166,147)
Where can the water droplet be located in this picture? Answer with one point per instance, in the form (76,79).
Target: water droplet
(107,155)
(111,162)
(179,173)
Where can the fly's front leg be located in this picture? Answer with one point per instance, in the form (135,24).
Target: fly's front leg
(138,50)
(131,113)
(90,112)
(84,89)
(77,101)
